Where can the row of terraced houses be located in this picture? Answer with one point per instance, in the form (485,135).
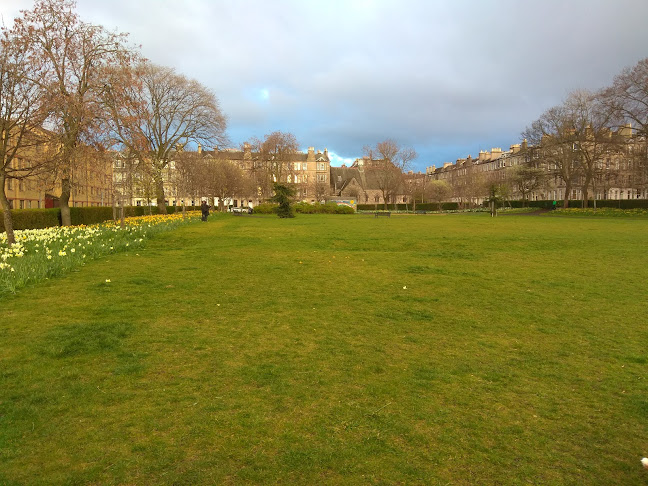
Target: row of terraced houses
(98,184)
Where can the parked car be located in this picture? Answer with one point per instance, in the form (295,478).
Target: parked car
(241,210)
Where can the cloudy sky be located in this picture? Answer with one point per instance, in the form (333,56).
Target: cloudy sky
(447,77)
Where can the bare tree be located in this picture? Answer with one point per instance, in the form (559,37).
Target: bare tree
(161,112)
(552,143)
(274,158)
(388,161)
(438,191)
(227,181)
(527,178)
(593,140)
(627,98)
(23,110)
(75,54)
(414,187)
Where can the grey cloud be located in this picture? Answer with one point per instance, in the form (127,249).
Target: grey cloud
(447,78)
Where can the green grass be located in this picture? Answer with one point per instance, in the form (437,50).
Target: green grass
(337,350)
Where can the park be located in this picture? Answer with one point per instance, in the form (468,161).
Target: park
(336,349)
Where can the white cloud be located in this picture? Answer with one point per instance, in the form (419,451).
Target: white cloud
(448,78)
(338,161)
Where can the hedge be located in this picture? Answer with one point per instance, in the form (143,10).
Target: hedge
(306,208)
(543,204)
(45,218)
(578,203)
(32,218)
(319,208)
(446,206)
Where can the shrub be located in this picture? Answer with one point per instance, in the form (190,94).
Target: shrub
(265,208)
(33,218)
(577,203)
(303,208)
(341,209)
(90,215)
(446,206)
(318,208)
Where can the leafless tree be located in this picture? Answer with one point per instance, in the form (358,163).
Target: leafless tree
(438,192)
(552,142)
(388,161)
(593,139)
(274,158)
(414,188)
(527,178)
(76,54)
(627,100)
(161,112)
(23,110)
(226,181)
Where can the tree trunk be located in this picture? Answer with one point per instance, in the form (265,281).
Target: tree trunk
(122,221)
(6,211)
(567,192)
(159,194)
(64,200)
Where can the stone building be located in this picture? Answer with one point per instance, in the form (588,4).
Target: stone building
(308,171)
(91,178)
(365,180)
(619,174)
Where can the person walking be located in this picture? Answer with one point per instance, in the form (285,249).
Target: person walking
(204,208)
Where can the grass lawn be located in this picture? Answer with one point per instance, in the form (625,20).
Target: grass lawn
(434,349)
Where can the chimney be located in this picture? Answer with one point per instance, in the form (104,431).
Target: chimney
(199,149)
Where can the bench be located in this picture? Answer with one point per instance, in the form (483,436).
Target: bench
(382,213)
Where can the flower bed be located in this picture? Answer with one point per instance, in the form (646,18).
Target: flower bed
(602,212)
(43,253)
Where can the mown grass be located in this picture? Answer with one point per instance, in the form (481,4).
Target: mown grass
(337,350)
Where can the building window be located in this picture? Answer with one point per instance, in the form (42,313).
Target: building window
(321,177)
(321,166)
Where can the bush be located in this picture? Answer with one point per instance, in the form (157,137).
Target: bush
(266,208)
(303,208)
(446,206)
(341,209)
(578,203)
(33,218)
(90,215)
(318,208)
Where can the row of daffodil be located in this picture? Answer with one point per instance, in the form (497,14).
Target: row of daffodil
(43,253)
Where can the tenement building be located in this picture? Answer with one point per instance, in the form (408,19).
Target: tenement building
(617,170)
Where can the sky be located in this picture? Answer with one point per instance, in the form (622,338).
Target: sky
(446,77)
